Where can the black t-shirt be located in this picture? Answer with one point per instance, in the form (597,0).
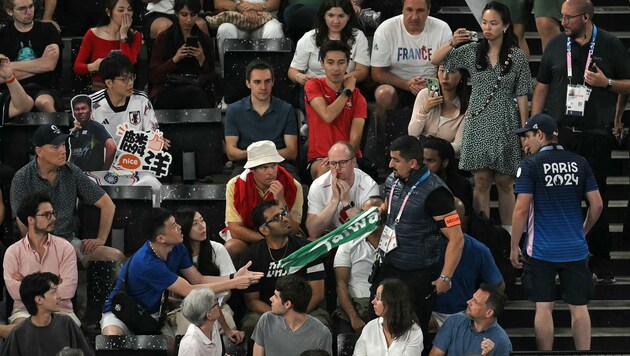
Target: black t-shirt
(461,189)
(439,202)
(610,57)
(259,254)
(27,46)
(87,148)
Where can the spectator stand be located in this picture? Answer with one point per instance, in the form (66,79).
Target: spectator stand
(149,345)
(196,137)
(345,344)
(239,52)
(208,199)
(16,136)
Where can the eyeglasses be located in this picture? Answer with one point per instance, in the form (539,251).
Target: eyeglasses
(24,9)
(377,297)
(48,215)
(127,78)
(340,164)
(216,304)
(569,18)
(278,217)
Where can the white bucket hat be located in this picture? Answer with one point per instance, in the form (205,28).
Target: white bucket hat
(262,152)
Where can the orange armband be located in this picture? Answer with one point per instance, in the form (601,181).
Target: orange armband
(449,221)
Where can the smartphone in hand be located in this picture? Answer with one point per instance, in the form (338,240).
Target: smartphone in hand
(192,41)
(433,85)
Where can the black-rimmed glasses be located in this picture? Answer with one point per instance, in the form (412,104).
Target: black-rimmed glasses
(48,215)
(278,217)
(341,164)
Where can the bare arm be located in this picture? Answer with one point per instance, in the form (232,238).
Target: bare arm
(436,352)
(107,207)
(384,76)
(253,303)
(440,55)
(49,9)
(360,72)
(454,248)
(224,5)
(523,108)
(345,300)
(110,152)
(317,296)
(356,131)
(44,64)
(328,113)
(621,86)
(233,152)
(240,232)
(539,97)
(595,206)
(622,100)
(258,350)
(291,149)
(192,279)
(519,218)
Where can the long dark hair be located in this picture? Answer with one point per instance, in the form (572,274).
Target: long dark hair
(176,37)
(205,263)
(347,33)
(399,315)
(509,39)
(107,18)
(462,90)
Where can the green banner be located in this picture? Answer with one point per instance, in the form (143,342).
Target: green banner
(358,227)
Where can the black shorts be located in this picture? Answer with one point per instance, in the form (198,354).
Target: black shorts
(405,99)
(539,281)
(34,90)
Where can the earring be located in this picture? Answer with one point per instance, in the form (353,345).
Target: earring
(504,30)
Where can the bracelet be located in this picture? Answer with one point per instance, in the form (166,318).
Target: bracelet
(124,40)
(231,275)
(12,79)
(450,43)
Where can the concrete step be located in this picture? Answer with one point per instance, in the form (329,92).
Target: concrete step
(604,313)
(603,339)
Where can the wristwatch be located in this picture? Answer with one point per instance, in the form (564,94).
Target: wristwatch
(610,83)
(349,206)
(347,92)
(446,279)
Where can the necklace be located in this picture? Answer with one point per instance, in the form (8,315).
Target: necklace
(286,247)
(152,249)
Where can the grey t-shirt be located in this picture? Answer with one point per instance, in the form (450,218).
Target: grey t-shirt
(28,339)
(273,333)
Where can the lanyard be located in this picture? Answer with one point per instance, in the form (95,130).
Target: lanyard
(402,207)
(551,147)
(588,58)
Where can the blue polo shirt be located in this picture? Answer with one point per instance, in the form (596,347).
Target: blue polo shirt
(459,337)
(149,276)
(558,181)
(243,121)
(476,264)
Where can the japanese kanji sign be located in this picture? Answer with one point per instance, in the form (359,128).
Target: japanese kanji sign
(141,150)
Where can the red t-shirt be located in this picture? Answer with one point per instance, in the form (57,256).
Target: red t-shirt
(322,135)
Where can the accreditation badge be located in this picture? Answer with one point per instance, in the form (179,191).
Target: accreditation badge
(388,240)
(577,95)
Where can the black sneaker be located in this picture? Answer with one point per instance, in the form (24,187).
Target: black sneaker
(604,277)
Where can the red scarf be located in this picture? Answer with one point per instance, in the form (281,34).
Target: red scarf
(246,195)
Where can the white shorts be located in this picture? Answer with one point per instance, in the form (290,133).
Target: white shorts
(22,313)
(109,319)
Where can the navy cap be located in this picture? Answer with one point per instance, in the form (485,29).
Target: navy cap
(48,135)
(542,122)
